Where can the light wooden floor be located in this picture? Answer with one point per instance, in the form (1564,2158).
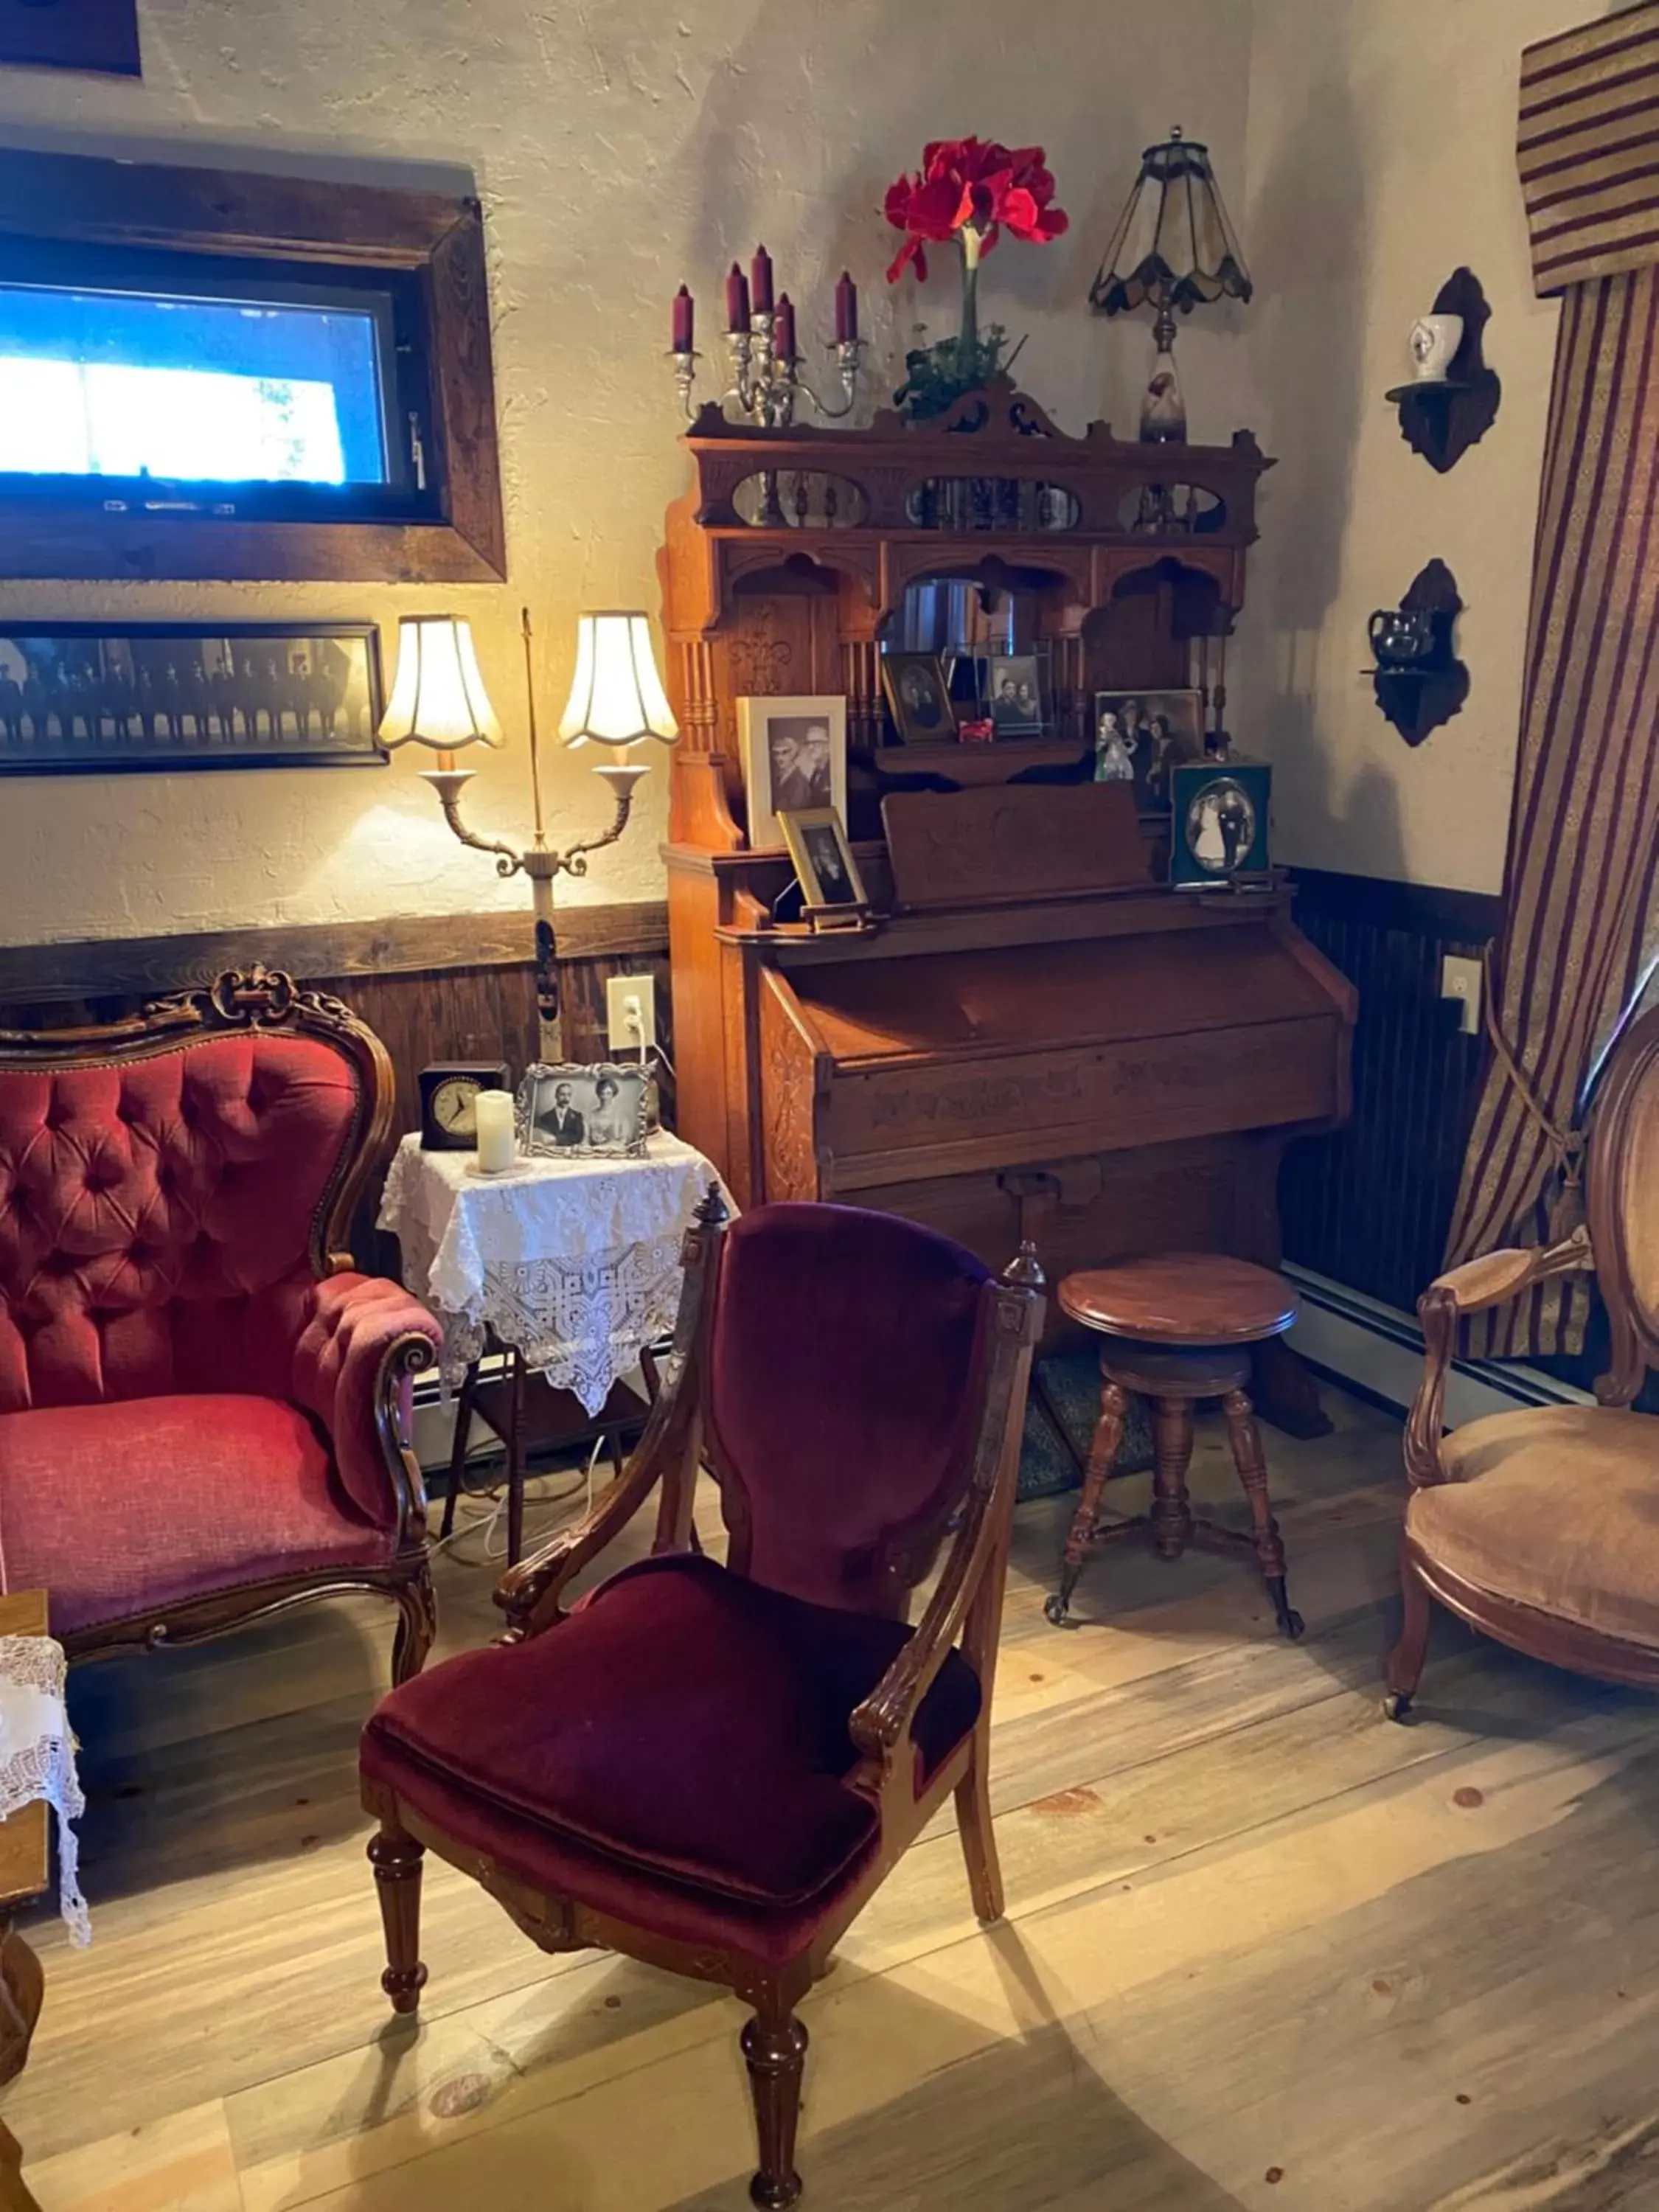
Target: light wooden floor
(1262,1948)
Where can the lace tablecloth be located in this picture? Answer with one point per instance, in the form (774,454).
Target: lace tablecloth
(574,1262)
(37,1757)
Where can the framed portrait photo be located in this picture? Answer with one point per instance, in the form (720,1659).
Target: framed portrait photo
(572,1112)
(794,755)
(918,697)
(1015,694)
(1158,730)
(817,839)
(1219,824)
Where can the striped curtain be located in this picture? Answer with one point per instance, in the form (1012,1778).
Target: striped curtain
(1583,879)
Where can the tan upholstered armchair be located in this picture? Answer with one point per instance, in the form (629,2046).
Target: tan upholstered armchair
(1541,1527)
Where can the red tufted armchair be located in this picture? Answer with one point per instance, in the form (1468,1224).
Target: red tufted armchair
(204,1409)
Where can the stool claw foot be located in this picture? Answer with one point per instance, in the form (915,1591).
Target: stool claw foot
(1396,1707)
(1056,1606)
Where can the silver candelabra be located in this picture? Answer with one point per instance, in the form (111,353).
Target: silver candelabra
(766,383)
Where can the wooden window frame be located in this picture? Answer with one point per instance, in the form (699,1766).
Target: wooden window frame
(259,216)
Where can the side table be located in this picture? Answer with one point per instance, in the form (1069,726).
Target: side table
(570,1266)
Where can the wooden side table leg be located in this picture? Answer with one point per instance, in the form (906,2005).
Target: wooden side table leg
(22,1986)
(1102,1455)
(1172,1453)
(1246,1439)
(458,1449)
(515,1463)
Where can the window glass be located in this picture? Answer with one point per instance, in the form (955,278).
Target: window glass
(99,383)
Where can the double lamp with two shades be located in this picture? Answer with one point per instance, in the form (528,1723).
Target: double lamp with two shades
(617,701)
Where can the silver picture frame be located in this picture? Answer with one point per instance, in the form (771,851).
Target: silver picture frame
(566,1110)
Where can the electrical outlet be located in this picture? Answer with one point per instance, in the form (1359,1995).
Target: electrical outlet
(1460,979)
(630,1013)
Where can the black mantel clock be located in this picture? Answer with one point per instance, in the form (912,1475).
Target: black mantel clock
(449,1102)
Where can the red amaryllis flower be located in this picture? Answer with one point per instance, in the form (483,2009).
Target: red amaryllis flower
(972,184)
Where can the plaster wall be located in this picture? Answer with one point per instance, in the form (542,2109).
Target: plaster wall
(619,148)
(1381,155)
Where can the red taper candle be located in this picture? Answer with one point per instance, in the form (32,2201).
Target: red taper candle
(783,330)
(683,323)
(846,311)
(737,299)
(759,281)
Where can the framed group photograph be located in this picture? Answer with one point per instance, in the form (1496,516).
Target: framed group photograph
(794,755)
(79,696)
(568,1111)
(817,838)
(1158,731)
(918,697)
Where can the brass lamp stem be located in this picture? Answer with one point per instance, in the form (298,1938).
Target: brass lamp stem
(535,755)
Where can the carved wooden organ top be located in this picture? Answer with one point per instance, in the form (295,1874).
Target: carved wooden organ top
(1060,1043)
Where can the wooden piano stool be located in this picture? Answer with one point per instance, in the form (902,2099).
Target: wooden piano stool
(1178,1328)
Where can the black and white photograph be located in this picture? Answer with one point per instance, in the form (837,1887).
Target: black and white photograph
(918,697)
(1158,731)
(591,1113)
(1014,694)
(794,755)
(824,860)
(76,696)
(1221,819)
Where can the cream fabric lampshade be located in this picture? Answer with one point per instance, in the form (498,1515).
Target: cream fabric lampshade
(617,696)
(439,698)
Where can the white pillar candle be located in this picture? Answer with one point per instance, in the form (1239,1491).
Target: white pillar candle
(497,1149)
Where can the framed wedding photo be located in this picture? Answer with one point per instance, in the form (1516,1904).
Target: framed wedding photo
(572,1112)
(794,754)
(918,697)
(817,838)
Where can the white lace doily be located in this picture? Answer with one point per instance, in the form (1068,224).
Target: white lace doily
(37,1757)
(575,1262)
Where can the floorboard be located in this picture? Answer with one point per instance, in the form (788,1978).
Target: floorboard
(1262,1949)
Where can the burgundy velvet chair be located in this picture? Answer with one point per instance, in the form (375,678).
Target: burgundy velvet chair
(713,1768)
(204,1409)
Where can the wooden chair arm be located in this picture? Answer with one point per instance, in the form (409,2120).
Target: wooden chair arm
(530,1593)
(668,1453)
(882,1723)
(1494,1280)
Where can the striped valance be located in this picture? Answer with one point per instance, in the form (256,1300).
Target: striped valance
(1589,149)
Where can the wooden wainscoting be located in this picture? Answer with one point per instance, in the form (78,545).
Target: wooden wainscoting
(433,986)
(1371,1205)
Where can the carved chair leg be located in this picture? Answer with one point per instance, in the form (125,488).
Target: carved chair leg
(1410,1654)
(457,1450)
(1103,1456)
(1172,1453)
(774,2048)
(979,1843)
(22,1984)
(417,1624)
(1248,1457)
(396,1860)
(16,2195)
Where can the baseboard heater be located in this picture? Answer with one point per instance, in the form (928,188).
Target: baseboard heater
(1377,1350)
